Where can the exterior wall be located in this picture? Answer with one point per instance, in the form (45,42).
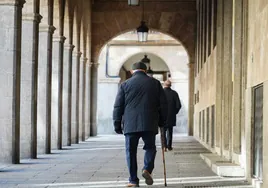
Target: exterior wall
(176,61)
(226,79)
(205,90)
(257,43)
(257,67)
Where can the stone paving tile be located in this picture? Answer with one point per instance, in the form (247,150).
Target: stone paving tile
(100,162)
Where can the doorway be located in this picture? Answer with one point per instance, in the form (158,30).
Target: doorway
(258,132)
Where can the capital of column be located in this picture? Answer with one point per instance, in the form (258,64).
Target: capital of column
(32,17)
(77,54)
(84,60)
(47,28)
(60,39)
(69,47)
(18,3)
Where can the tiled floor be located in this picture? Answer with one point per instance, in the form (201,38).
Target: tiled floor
(100,162)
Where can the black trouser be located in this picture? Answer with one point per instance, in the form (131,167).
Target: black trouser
(167,133)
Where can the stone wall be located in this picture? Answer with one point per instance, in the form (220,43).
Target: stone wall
(257,67)
(257,43)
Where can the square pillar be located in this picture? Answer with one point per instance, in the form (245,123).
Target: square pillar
(93,99)
(82,98)
(191,99)
(227,78)
(219,75)
(75,97)
(67,94)
(29,66)
(57,76)
(87,100)
(44,89)
(10,73)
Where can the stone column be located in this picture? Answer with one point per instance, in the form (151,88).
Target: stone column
(204,32)
(201,36)
(237,78)
(219,75)
(227,77)
(56,109)
(67,94)
(82,98)
(93,99)
(29,66)
(44,88)
(87,100)
(191,99)
(244,85)
(197,49)
(75,97)
(10,70)
(208,28)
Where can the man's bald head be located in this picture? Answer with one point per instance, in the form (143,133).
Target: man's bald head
(167,83)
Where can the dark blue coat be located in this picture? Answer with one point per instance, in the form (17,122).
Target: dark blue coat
(142,104)
(174,106)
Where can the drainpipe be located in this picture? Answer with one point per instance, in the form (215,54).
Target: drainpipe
(107,61)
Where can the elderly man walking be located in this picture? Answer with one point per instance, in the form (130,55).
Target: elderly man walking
(174,106)
(142,104)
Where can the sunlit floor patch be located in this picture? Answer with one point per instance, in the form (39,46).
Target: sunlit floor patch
(172,182)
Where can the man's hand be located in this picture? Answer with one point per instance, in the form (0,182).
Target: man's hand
(117,127)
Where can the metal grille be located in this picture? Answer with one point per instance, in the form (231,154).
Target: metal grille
(212,125)
(208,122)
(258,132)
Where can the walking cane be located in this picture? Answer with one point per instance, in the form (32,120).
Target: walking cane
(163,155)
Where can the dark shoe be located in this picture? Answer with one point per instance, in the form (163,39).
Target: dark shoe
(170,149)
(148,178)
(165,149)
(132,185)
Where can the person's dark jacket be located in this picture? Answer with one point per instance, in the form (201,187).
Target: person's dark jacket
(174,106)
(142,103)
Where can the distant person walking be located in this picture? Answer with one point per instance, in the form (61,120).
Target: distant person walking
(174,106)
(142,104)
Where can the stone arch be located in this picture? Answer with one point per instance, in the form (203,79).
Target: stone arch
(46,11)
(31,6)
(108,83)
(84,27)
(68,21)
(152,29)
(176,19)
(89,31)
(77,27)
(58,17)
(143,52)
(84,38)
(180,67)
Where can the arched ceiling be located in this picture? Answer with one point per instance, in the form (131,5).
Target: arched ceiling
(177,18)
